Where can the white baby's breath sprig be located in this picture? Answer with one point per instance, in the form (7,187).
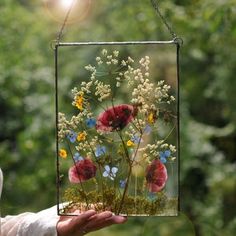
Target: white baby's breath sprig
(83,146)
(104,52)
(89,145)
(62,125)
(103,90)
(65,126)
(154,149)
(172,148)
(130,60)
(99,60)
(116,53)
(145,93)
(91,69)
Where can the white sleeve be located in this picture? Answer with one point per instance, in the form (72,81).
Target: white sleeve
(10,224)
(42,223)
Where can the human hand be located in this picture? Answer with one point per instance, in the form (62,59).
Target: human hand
(86,222)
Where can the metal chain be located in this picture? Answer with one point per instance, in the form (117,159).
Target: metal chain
(59,36)
(155,5)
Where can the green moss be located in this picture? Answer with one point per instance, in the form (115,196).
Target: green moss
(111,200)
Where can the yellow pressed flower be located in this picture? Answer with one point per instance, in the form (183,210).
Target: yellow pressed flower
(81,136)
(151,118)
(63,153)
(79,102)
(130,143)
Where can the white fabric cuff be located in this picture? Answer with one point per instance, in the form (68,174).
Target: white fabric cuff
(41,224)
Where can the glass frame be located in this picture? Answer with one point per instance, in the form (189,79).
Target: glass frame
(175,42)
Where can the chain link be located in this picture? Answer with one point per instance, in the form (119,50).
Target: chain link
(155,5)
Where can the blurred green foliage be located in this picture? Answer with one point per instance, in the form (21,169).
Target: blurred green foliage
(208,111)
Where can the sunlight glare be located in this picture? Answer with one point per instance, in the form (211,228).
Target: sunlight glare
(58,9)
(66,3)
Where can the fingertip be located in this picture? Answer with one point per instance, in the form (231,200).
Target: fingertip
(116,220)
(119,219)
(90,211)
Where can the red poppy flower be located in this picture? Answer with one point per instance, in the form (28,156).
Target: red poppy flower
(156,176)
(116,117)
(82,171)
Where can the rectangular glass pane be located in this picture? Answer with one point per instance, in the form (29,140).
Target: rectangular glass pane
(117,126)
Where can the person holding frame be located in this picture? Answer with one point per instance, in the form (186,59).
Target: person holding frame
(48,223)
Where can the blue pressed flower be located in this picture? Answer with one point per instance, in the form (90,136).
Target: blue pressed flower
(167,153)
(164,155)
(91,122)
(163,160)
(122,183)
(72,136)
(77,157)
(147,129)
(110,172)
(100,150)
(136,139)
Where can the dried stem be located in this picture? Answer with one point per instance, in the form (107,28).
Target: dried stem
(81,184)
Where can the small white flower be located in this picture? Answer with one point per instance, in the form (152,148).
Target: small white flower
(172,148)
(130,60)
(114,61)
(104,52)
(90,68)
(123,63)
(116,53)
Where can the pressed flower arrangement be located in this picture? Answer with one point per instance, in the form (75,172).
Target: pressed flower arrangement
(117,148)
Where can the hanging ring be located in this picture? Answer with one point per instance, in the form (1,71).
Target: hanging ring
(178,41)
(53,44)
